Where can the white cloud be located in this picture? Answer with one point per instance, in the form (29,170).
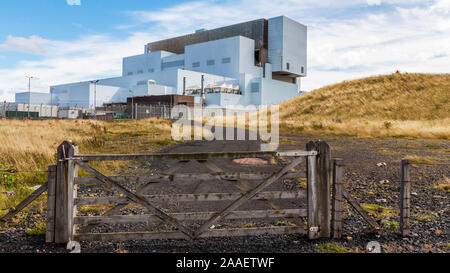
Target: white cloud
(74,2)
(90,57)
(33,44)
(409,35)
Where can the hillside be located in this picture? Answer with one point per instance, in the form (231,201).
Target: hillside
(400,104)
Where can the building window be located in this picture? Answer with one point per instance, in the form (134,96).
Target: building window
(255,87)
(140,72)
(130,73)
(226,60)
(196,64)
(210,62)
(288,66)
(303,70)
(151,70)
(173,64)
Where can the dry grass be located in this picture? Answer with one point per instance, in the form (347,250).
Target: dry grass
(29,147)
(444,185)
(422,160)
(397,105)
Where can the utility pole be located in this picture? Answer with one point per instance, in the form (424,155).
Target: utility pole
(4,110)
(95,96)
(51,102)
(29,94)
(203,91)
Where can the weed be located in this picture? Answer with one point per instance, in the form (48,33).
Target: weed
(331,248)
(38,229)
(388,125)
(392,225)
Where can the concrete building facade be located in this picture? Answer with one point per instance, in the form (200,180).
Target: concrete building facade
(254,63)
(35,98)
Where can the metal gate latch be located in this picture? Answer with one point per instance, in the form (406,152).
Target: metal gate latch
(314,229)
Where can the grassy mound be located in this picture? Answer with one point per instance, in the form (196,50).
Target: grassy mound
(398,105)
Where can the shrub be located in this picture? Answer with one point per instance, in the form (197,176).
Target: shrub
(388,125)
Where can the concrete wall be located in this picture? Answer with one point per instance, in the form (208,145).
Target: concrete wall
(224,53)
(223,100)
(36,98)
(145,63)
(276,92)
(76,95)
(45,111)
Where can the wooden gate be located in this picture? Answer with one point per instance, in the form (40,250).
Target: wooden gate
(312,204)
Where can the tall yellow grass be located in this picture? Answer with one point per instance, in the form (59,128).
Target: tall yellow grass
(29,147)
(27,144)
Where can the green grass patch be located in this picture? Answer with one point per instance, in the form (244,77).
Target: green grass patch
(392,225)
(434,147)
(379,211)
(39,228)
(331,248)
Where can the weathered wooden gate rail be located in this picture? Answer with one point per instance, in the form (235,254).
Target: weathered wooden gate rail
(324,214)
(63,221)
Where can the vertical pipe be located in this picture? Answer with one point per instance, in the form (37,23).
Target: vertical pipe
(29,96)
(203,91)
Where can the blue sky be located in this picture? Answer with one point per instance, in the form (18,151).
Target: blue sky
(61,41)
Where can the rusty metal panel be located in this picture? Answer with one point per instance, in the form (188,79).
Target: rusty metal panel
(256,30)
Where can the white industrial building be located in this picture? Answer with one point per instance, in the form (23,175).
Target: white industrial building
(255,63)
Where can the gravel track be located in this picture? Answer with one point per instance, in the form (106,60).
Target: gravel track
(363,179)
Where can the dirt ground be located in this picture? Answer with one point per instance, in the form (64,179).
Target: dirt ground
(375,185)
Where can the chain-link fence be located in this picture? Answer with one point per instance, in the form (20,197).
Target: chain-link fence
(151,111)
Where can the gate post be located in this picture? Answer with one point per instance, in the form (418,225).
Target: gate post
(51,195)
(405,197)
(319,173)
(65,174)
(338,197)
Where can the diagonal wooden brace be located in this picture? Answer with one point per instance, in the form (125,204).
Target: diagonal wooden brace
(361,211)
(136,198)
(245,188)
(24,203)
(249,195)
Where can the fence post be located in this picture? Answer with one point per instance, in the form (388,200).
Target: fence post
(65,174)
(405,197)
(51,195)
(319,173)
(337,201)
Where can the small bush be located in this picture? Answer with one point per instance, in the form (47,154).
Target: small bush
(388,125)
